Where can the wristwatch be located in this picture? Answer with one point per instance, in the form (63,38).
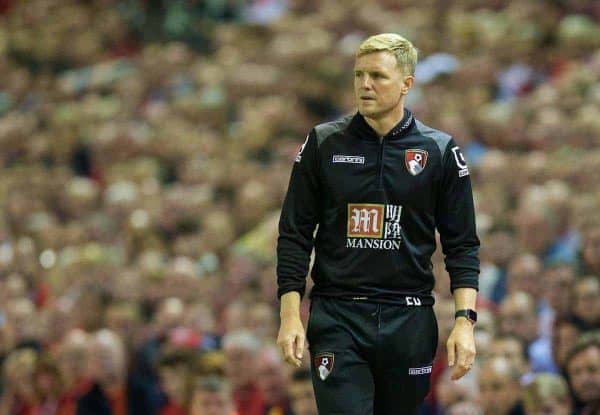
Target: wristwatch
(468,313)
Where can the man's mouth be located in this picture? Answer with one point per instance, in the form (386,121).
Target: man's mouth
(367,98)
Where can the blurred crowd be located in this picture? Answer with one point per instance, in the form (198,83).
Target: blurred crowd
(146,149)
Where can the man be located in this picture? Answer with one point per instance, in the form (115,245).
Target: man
(273,381)
(583,370)
(241,349)
(377,183)
(518,318)
(499,387)
(212,396)
(547,394)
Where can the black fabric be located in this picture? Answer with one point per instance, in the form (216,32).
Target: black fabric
(382,356)
(377,204)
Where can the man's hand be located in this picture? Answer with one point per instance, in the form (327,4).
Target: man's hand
(291,340)
(461,348)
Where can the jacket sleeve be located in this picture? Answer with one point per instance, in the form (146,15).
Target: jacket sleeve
(299,218)
(455,221)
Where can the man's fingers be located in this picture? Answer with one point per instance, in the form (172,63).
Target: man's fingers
(450,352)
(464,361)
(299,346)
(287,348)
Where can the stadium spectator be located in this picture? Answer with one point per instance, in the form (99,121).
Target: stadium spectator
(547,394)
(241,349)
(499,387)
(583,370)
(212,396)
(586,307)
(273,381)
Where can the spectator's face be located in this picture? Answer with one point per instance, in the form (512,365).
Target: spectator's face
(303,398)
(261,321)
(72,359)
(510,349)
(559,283)
(524,275)
(108,362)
(586,305)
(563,337)
(377,77)
(591,249)
(550,406)
(498,392)
(173,382)
(584,374)
(272,379)
(210,403)
(240,366)
(518,318)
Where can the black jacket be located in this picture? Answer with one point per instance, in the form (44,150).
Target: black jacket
(377,204)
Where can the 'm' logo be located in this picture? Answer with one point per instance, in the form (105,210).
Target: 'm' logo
(324,364)
(415,160)
(365,220)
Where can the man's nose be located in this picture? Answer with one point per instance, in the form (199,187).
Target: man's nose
(365,82)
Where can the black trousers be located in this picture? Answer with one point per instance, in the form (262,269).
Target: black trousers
(370,358)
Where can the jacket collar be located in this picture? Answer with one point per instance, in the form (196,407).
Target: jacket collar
(363,130)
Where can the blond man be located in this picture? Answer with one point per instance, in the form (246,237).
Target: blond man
(378,183)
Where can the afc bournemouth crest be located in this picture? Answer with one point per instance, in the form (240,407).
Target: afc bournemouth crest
(324,364)
(415,161)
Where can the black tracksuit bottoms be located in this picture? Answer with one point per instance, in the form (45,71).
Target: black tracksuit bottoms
(370,358)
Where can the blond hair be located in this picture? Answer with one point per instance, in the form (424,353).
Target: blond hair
(404,51)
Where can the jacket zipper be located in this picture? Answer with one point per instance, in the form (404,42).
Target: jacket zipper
(381,153)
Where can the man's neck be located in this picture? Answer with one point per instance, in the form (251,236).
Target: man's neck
(384,124)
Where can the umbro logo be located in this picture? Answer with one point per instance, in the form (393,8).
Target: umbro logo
(415,371)
(348,159)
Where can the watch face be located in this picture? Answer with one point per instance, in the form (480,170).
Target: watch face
(472,315)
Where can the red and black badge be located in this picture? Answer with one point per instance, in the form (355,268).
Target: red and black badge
(324,364)
(415,160)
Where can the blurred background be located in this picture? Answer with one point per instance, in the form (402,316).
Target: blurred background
(146,149)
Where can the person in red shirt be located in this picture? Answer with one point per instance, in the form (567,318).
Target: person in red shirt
(241,349)
(19,396)
(173,372)
(72,360)
(108,366)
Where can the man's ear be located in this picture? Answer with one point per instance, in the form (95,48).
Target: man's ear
(407,84)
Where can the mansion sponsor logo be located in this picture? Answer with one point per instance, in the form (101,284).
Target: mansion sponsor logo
(374,226)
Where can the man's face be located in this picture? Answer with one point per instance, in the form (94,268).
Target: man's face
(498,392)
(378,84)
(591,247)
(303,398)
(563,338)
(272,380)
(584,374)
(518,319)
(210,403)
(586,305)
(510,349)
(550,406)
